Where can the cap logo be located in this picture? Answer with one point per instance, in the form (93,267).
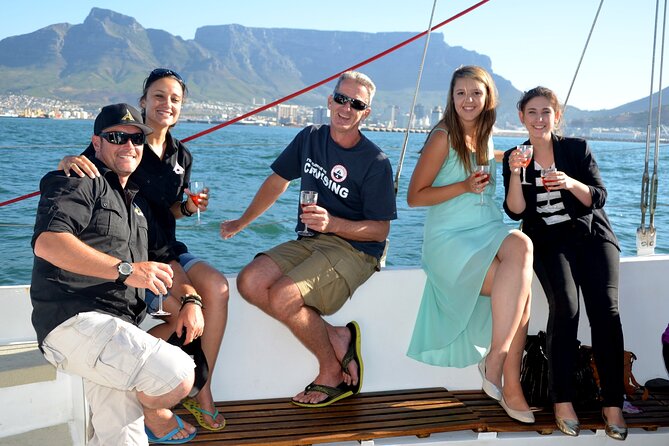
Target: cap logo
(127,116)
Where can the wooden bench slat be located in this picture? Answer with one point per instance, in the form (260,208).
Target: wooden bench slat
(371,397)
(353,423)
(408,412)
(278,420)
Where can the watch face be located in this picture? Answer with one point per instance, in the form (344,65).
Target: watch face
(125,268)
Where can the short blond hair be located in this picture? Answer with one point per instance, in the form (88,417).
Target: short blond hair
(361,79)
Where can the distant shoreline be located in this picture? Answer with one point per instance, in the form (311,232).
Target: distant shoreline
(496,131)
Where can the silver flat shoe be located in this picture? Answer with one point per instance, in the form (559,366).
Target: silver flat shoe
(489,388)
(568,426)
(524,416)
(614,431)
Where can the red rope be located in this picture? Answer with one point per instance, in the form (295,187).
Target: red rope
(304,90)
(22,197)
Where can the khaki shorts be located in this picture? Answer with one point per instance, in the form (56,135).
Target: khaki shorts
(325,268)
(116,360)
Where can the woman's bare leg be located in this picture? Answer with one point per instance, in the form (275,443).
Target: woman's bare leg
(508,283)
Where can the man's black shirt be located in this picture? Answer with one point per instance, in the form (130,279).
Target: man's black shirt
(109,219)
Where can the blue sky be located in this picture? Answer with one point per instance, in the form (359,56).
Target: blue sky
(530,42)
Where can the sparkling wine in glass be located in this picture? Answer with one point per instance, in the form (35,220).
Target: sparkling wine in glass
(482,170)
(544,173)
(526,151)
(160,312)
(307,198)
(195,189)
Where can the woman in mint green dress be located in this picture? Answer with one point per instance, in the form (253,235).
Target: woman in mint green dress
(476,301)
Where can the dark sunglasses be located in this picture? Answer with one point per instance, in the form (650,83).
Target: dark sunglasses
(120,138)
(163,72)
(356,104)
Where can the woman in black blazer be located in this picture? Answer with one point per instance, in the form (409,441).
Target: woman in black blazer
(574,247)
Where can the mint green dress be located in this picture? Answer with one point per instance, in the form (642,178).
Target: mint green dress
(454,323)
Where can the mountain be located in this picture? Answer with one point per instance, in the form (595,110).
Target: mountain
(107,57)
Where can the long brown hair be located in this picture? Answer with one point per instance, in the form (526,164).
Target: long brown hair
(486,119)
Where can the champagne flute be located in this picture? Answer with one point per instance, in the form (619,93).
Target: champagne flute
(195,189)
(482,170)
(526,151)
(544,173)
(307,198)
(160,312)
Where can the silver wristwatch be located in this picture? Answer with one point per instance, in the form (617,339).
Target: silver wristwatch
(124,271)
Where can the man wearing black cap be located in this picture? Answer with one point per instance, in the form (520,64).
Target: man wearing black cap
(91,242)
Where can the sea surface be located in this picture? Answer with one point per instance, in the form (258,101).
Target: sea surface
(235,160)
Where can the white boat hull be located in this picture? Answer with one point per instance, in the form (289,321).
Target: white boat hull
(261,359)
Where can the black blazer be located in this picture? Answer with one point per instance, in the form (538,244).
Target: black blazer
(573,157)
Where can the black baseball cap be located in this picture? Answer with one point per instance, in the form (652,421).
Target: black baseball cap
(119,114)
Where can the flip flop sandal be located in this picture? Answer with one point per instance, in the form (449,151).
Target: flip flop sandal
(167,439)
(334,394)
(198,412)
(354,353)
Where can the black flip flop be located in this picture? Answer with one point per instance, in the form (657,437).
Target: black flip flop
(354,353)
(334,394)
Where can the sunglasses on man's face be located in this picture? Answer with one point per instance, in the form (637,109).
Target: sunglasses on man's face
(356,104)
(120,138)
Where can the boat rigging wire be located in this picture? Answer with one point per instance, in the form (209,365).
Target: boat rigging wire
(645,179)
(306,89)
(645,236)
(578,66)
(656,160)
(400,163)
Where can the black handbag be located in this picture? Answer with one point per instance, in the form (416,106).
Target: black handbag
(534,374)
(534,371)
(587,389)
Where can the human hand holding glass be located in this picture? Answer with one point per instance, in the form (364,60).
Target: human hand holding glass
(526,150)
(545,180)
(155,278)
(307,198)
(482,172)
(195,188)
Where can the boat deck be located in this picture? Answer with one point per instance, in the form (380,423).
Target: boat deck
(376,415)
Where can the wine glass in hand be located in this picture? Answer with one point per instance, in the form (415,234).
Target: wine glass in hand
(307,198)
(160,312)
(195,188)
(545,173)
(482,172)
(526,151)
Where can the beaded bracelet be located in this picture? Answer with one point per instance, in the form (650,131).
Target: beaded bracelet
(191,299)
(184,209)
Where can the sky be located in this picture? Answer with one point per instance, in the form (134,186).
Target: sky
(530,42)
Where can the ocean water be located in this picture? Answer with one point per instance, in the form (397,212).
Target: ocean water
(235,160)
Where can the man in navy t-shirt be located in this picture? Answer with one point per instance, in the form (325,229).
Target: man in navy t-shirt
(299,281)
